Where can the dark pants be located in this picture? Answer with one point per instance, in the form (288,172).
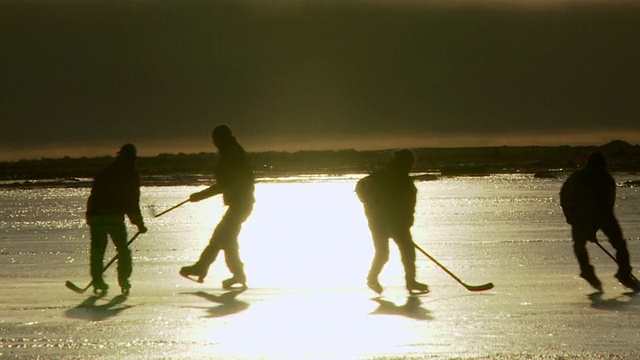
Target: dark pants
(403,239)
(585,231)
(225,238)
(101,229)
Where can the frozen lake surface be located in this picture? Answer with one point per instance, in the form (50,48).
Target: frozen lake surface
(307,250)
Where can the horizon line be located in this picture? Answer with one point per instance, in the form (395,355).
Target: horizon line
(381,150)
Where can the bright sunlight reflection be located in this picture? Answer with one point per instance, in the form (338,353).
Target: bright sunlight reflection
(307,234)
(320,324)
(300,234)
(311,238)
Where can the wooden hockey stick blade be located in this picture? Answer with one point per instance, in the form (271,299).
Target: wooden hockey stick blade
(73,287)
(483,287)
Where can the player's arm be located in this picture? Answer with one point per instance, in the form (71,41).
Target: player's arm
(212,190)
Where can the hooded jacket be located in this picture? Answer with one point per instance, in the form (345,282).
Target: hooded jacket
(234,175)
(588,195)
(389,198)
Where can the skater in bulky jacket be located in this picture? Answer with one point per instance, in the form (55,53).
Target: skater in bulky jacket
(389,199)
(235,181)
(115,192)
(587,198)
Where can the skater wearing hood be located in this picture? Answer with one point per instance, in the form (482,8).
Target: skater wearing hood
(234,180)
(115,193)
(587,198)
(389,199)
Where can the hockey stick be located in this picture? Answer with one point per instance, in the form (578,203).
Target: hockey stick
(482,287)
(173,207)
(73,287)
(611,256)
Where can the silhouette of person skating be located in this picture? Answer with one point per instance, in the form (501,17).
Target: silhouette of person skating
(115,192)
(235,181)
(587,199)
(389,199)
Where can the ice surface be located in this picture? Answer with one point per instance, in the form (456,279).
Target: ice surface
(306,250)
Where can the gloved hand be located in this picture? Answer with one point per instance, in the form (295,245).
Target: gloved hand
(142,229)
(195,197)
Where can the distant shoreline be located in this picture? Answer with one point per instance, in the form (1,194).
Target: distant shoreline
(189,168)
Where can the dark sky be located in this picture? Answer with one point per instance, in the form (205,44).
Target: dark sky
(80,78)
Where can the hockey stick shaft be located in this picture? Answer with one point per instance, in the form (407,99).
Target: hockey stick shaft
(611,256)
(79,290)
(172,208)
(482,287)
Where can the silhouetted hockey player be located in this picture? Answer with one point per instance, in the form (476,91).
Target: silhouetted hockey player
(234,180)
(389,199)
(114,193)
(587,198)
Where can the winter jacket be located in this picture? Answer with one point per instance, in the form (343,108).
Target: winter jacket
(588,197)
(234,176)
(116,192)
(389,198)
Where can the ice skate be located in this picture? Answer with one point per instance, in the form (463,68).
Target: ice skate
(194,270)
(415,287)
(629,281)
(593,280)
(229,283)
(374,285)
(241,279)
(100,288)
(125,287)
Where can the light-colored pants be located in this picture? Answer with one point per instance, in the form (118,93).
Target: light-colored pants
(225,237)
